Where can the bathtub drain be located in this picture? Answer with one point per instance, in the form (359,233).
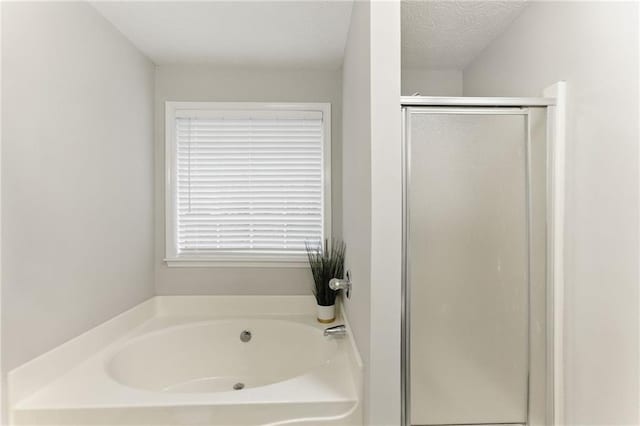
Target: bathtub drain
(238,386)
(245,336)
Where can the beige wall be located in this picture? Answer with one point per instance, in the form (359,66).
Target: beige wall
(356,186)
(431,82)
(210,83)
(372,200)
(594,47)
(77,175)
(386,214)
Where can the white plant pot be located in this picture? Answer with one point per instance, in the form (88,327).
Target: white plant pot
(326,314)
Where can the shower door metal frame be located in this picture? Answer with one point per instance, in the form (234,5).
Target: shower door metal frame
(489,105)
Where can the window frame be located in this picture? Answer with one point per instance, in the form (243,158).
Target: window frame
(172,259)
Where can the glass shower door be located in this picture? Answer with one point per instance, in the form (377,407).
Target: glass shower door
(467,249)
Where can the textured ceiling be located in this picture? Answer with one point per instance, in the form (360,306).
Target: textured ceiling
(302,33)
(436,34)
(448,34)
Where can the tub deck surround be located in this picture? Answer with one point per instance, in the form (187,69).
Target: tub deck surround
(123,383)
(91,385)
(37,373)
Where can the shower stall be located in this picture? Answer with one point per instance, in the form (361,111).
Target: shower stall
(478,275)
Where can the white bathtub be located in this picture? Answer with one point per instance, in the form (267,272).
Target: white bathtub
(192,363)
(211,356)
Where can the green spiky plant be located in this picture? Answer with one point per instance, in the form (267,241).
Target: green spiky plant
(326,262)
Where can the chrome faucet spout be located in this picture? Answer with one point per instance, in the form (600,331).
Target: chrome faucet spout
(336,330)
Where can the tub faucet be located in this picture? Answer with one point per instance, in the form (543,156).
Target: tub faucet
(336,330)
(342,284)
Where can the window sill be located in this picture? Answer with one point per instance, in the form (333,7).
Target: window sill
(235,263)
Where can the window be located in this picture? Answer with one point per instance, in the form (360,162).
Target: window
(246,183)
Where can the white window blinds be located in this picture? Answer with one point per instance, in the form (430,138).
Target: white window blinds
(248,184)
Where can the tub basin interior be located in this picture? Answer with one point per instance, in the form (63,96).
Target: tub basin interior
(220,356)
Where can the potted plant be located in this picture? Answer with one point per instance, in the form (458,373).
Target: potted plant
(326,262)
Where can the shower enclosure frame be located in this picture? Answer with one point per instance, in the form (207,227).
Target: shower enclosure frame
(554,102)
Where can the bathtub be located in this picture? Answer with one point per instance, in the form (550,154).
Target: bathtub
(208,361)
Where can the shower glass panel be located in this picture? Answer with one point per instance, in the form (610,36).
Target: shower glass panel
(468,264)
